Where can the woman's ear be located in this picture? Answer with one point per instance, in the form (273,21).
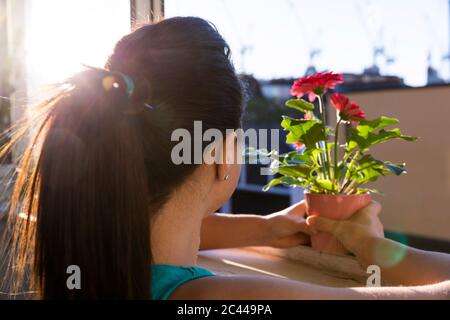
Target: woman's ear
(223,171)
(229,157)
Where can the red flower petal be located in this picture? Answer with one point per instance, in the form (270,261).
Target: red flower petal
(316,84)
(311,96)
(347,111)
(339,101)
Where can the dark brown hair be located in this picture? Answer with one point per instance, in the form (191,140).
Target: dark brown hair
(99,161)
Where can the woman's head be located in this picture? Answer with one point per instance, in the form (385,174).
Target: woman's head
(187,65)
(100,165)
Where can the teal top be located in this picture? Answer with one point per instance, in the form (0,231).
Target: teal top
(166,278)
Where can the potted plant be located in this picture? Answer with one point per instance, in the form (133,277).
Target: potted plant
(332,172)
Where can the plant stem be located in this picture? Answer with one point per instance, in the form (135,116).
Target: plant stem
(351,186)
(347,155)
(327,163)
(322,161)
(336,144)
(347,179)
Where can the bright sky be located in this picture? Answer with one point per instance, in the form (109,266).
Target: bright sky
(280,34)
(61,35)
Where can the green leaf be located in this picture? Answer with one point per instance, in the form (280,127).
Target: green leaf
(273,183)
(287,123)
(300,105)
(351,144)
(342,169)
(294,157)
(367,161)
(369,174)
(307,131)
(299,171)
(324,184)
(314,153)
(367,126)
(370,169)
(364,142)
(396,169)
(286,181)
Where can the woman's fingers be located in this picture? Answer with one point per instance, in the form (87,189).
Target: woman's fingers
(301,226)
(316,223)
(292,241)
(364,216)
(372,209)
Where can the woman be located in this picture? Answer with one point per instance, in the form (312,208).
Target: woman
(99,189)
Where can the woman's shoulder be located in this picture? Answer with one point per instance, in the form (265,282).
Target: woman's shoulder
(167,278)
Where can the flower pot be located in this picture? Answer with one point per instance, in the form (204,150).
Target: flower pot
(337,207)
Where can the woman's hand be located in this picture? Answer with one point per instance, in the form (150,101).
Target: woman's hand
(353,232)
(283,229)
(287,228)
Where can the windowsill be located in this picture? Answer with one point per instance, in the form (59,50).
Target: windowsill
(299,263)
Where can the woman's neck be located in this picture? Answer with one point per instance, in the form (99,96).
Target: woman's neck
(175,231)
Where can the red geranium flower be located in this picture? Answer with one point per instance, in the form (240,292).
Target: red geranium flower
(348,111)
(315,85)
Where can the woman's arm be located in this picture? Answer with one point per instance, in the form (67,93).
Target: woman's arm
(400,265)
(285,228)
(403,265)
(269,288)
(227,231)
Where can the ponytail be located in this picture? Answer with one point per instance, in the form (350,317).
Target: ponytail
(84,185)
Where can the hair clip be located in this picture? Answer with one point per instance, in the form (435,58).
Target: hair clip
(128,82)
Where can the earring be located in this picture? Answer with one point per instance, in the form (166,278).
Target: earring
(226,177)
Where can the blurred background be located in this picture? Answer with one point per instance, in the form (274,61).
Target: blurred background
(395,57)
